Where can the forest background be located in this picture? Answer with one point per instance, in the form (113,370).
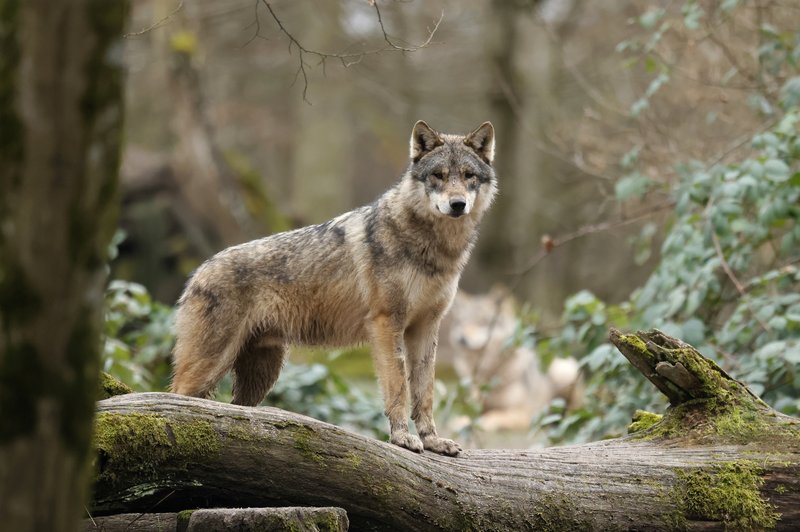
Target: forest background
(647,153)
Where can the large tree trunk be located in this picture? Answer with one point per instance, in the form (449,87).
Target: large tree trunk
(60,123)
(720,458)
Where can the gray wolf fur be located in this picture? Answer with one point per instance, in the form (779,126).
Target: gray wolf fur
(477,340)
(385,273)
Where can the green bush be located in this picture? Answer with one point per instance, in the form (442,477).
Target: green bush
(727,278)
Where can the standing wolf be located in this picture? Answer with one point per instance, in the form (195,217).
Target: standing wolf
(385,273)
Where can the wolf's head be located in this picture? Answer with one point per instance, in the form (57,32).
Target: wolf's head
(453,173)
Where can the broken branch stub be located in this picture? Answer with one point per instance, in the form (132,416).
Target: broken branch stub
(678,370)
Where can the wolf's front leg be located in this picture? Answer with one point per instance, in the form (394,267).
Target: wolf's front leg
(388,353)
(421,344)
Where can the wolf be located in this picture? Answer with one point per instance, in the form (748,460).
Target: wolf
(384,273)
(478,342)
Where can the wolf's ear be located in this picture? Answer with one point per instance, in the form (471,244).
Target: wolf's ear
(482,141)
(423,140)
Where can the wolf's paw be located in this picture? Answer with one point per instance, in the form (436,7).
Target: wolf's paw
(407,440)
(441,445)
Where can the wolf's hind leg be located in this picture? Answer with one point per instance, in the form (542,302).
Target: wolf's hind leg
(197,374)
(205,349)
(255,371)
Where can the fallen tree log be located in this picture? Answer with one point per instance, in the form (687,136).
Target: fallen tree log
(719,459)
(239,519)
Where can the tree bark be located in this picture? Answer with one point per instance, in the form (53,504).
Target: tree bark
(240,519)
(718,459)
(60,126)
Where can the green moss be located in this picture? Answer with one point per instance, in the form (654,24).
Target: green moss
(643,420)
(556,514)
(184,516)
(712,420)
(140,444)
(353,459)
(305,439)
(729,494)
(110,386)
(257,442)
(635,343)
(670,425)
(305,443)
(737,423)
(329,522)
(241,433)
(717,408)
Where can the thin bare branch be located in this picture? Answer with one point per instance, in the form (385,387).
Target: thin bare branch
(577,75)
(257,23)
(744,139)
(549,244)
(157,24)
(575,161)
(346,58)
(402,48)
(735,280)
(727,267)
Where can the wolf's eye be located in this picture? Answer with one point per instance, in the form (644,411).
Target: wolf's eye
(469,175)
(438,176)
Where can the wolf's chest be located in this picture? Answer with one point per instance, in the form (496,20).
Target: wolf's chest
(427,297)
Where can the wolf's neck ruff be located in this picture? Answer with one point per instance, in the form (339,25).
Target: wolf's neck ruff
(437,245)
(385,273)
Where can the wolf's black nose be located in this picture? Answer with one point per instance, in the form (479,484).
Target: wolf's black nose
(458,205)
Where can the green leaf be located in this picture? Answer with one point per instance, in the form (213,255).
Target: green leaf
(638,106)
(692,14)
(759,103)
(649,19)
(599,357)
(675,300)
(633,185)
(631,157)
(694,331)
(776,170)
(790,92)
(771,350)
(729,5)
(778,323)
(792,353)
(656,84)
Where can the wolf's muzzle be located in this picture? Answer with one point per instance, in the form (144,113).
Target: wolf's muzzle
(457,206)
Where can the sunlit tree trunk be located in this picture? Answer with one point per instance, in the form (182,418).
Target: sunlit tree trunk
(60,119)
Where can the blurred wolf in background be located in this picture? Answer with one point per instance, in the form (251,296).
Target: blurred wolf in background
(477,340)
(384,273)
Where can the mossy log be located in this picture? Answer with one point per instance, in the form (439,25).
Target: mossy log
(718,459)
(239,519)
